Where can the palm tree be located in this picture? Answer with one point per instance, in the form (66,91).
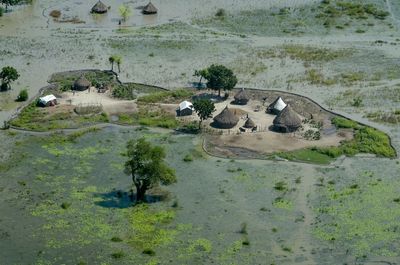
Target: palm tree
(111,59)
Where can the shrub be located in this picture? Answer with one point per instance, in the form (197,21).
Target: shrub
(55,13)
(116,239)
(188,158)
(23,95)
(65,205)
(1,11)
(220,12)
(118,255)
(149,251)
(281,186)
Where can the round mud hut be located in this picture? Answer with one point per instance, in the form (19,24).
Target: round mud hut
(249,124)
(226,119)
(99,8)
(81,83)
(241,97)
(287,121)
(277,106)
(149,9)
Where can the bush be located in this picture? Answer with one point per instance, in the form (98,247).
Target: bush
(1,11)
(23,95)
(188,158)
(118,255)
(149,251)
(220,13)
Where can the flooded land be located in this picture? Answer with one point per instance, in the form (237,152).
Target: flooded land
(327,193)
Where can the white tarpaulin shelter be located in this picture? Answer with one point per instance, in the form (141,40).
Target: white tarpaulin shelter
(49,99)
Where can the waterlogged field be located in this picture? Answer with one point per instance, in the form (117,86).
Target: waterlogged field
(66,200)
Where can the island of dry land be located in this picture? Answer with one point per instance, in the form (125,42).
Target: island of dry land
(321,137)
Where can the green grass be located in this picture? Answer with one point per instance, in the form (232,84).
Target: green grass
(152,117)
(167,96)
(39,119)
(306,155)
(340,122)
(366,140)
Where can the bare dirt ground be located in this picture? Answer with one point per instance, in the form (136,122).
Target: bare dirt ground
(109,104)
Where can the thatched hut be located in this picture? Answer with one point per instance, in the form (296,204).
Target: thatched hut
(149,9)
(226,119)
(287,121)
(249,124)
(81,83)
(99,8)
(241,97)
(277,106)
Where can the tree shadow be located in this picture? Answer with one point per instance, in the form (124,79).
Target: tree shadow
(122,199)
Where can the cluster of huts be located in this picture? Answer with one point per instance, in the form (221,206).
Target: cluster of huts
(80,84)
(101,8)
(286,120)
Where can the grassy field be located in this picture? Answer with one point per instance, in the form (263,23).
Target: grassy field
(366,140)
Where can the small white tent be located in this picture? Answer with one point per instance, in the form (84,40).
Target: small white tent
(49,100)
(185,108)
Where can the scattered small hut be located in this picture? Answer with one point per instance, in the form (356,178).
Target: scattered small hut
(49,100)
(149,9)
(185,108)
(81,83)
(277,106)
(226,119)
(287,121)
(99,8)
(249,124)
(241,97)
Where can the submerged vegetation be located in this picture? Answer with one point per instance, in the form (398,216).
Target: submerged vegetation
(314,18)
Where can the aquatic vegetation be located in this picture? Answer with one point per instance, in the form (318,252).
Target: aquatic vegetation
(361,217)
(147,227)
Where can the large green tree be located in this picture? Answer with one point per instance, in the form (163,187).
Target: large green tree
(8,74)
(219,77)
(147,167)
(204,109)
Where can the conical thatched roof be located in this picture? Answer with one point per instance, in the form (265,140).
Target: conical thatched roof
(99,8)
(149,9)
(226,119)
(241,97)
(81,83)
(249,123)
(277,106)
(287,121)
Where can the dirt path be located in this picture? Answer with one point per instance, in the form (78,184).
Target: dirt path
(302,242)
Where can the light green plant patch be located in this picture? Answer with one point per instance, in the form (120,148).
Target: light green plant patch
(362,218)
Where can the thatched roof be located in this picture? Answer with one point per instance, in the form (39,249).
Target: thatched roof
(288,120)
(149,9)
(81,83)
(249,123)
(277,106)
(241,97)
(99,8)
(226,119)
